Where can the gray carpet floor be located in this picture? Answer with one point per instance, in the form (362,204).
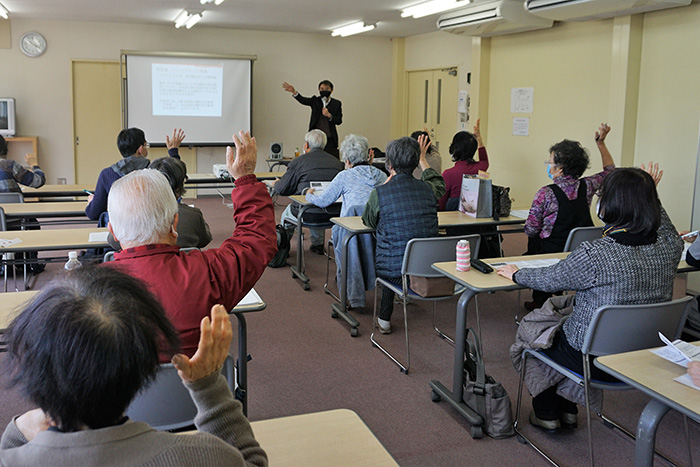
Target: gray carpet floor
(305,361)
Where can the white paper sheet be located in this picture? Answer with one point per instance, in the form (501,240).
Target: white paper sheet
(98,237)
(5,242)
(251,298)
(533,263)
(687,380)
(520,213)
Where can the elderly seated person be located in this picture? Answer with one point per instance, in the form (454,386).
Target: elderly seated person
(315,165)
(634,263)
(563,205)
(83,348)
(354,184)
(399,210)
(192,229)
(143,217)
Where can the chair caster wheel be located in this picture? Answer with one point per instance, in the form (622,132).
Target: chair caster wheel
(306,286)
(405,372)
(521,440)
(476,432)
(334,314)
(354,332)
(607,424)
(435,397)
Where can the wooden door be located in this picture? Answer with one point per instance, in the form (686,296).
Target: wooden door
(96,117)
(432,103)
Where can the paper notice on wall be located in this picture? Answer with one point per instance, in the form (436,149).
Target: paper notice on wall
(521,126)
(521,100)
(462,102)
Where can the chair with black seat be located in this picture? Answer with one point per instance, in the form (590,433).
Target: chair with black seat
(166,403)
(319,219)
(419,256)
(613,329)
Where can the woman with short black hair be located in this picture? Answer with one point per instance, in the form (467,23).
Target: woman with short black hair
(83,348)
(634,263)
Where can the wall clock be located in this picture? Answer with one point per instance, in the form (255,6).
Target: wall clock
(32,44)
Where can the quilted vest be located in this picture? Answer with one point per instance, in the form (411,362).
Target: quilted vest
(407,209)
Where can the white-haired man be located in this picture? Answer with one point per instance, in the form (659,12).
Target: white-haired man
(316,165)
(143,218)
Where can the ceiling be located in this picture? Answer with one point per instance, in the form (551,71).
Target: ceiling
(304,16)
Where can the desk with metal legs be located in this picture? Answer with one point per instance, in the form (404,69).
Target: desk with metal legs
(354,226)
(58,191)
(653,376)
(476,282)
(298,270)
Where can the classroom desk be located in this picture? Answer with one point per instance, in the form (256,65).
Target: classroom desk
(58,191)
(477,282)
(30,210)
(354,226)
(48,240)
(298,269)
(211,179)
(653,376)
(336,437)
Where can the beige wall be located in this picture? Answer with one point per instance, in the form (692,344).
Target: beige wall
(669,105)
(568,67)
(360,68)
(637,73)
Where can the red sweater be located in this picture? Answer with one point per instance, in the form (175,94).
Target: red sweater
(189,284)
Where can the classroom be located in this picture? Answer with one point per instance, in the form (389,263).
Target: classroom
(637,73)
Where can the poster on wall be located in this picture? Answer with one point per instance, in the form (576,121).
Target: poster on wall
(521,100)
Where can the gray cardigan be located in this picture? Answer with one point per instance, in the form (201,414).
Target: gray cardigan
(224,438)
(605,272)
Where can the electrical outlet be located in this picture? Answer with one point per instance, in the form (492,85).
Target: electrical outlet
(61,181)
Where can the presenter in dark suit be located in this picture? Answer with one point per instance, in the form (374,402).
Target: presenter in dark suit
(326,112)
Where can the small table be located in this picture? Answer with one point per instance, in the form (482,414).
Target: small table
(50,240)
(337,437)
(60,209)
(8,306)
(354,226)
(475,282)
(272,163)
(58,191)
(653,376)
(298,269)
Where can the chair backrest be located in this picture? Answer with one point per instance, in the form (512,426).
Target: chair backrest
(11,197)
(421,253)
(166,404)
(3,222)
(582,234)
(624,328)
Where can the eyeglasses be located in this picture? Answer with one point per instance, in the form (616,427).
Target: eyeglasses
(146,145)
(546,163)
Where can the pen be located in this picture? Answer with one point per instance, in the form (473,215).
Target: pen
(691,234)
(88,192)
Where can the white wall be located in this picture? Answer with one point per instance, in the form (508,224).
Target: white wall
(360,68)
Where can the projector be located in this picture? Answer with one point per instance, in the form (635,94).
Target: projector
(221,171)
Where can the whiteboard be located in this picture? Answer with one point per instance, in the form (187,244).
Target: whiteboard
(208,96)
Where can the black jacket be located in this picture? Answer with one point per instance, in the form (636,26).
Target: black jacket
(335,107)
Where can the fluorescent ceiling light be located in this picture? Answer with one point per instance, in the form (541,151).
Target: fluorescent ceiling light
(181,18)
(432,7)
(216,2)
(3,11)
(192,20)
(354,28)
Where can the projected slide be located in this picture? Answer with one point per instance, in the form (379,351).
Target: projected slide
(187,90)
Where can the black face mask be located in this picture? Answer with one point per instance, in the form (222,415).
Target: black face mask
(325,93)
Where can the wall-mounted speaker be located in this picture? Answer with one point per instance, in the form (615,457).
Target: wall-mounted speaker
(275,150)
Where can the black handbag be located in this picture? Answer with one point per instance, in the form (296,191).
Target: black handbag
(483,394)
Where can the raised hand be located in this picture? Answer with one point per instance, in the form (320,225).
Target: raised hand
(245,159)
(477,133)
(214,341)
(30,159)
(653,170)
(288,87)
(602,132)
(176,140)
(424,143)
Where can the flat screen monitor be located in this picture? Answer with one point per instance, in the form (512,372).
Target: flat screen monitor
(7,116)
